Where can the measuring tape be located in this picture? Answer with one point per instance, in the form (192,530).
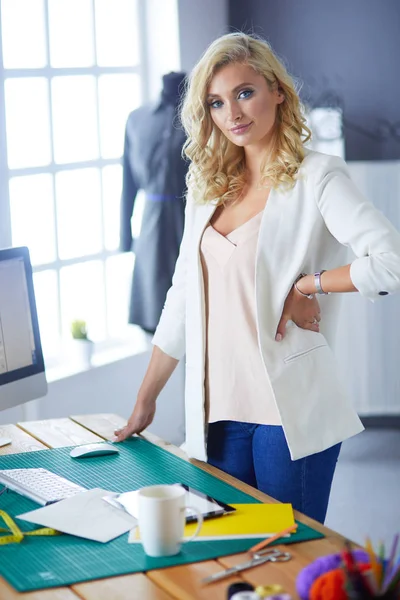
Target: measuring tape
(15,534)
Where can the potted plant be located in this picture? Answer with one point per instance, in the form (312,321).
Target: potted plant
(83,344)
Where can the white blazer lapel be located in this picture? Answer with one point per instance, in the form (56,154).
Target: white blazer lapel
(202,218)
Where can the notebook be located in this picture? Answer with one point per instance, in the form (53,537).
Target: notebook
(249,521)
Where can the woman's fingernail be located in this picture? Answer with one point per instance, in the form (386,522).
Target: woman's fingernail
(278,337)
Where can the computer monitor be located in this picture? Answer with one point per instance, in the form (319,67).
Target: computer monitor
(22,373)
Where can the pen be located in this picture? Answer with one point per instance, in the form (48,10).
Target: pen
(395,579)
(382,563)
(389,566)
(264,543)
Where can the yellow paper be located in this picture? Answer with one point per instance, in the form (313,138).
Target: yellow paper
(250,519)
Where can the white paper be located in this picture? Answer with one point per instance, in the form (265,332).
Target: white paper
(85,515)
(129,501)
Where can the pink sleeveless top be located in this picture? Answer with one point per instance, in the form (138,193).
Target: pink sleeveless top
(237,386)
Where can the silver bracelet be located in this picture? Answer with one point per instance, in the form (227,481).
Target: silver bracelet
(309,296)
(317,283)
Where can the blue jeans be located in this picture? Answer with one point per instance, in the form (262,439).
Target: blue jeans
(259,456)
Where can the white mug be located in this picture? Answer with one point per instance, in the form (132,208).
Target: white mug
(161,512)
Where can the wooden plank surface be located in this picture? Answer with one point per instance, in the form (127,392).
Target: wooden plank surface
(124,587)
(58,433)
(21,441)
(180,582)
(284,573)
(8,593)
(184,581)
(101,424)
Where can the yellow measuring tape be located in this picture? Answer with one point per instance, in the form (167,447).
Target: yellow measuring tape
(15,534)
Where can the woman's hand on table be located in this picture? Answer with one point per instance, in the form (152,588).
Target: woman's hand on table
(141,417)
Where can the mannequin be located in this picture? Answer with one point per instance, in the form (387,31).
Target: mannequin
(172,89)
(153,162)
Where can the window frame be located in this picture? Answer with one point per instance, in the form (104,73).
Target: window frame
(6,173)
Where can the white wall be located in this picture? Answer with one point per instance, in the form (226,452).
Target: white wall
(368,340)
(161,43)
(111,388)
(178,31)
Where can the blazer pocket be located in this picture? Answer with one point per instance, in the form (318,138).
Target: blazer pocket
(297,355)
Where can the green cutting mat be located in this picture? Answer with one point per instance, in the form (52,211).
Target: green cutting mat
(44,562)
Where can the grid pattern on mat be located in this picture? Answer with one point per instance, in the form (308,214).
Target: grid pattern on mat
(44,562)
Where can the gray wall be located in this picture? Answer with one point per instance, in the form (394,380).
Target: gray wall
(200,22)
(344,52)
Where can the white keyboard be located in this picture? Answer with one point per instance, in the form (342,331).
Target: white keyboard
(40,485)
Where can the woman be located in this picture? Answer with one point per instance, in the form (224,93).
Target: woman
(267,228)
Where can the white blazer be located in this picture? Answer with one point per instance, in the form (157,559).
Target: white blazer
(306,229)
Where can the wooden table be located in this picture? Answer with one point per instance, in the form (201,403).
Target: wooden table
(181,582)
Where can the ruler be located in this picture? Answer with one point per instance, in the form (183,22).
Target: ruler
(14,535)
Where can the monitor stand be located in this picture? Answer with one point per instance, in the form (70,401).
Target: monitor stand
(4,441)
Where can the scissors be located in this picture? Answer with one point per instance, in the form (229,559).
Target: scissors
(259,558)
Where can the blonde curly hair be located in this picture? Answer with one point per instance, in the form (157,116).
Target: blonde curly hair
(217,168)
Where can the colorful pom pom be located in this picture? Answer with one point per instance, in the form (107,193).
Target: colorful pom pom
(322,565)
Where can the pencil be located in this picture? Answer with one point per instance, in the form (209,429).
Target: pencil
(273,538)
(374,563)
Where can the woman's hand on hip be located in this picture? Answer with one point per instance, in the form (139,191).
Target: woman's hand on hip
(304,312)
(141,417)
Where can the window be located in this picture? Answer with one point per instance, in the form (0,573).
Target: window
(70,75)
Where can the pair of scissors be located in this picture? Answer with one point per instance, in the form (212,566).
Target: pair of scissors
(259,558)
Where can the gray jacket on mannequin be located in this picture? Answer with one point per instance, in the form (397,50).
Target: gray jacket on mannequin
(152,162)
